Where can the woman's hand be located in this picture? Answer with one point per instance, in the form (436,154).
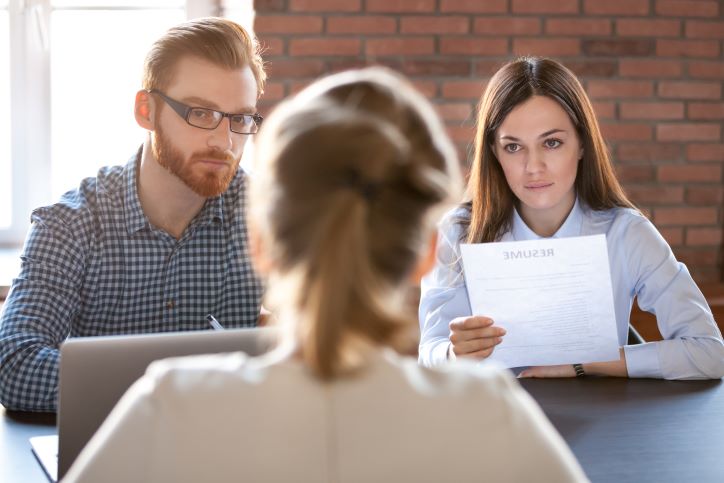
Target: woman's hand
(611,368)
(474,337)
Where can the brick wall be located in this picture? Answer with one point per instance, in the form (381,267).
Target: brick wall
(653,69)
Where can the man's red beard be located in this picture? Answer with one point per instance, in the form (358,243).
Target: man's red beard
(206,183)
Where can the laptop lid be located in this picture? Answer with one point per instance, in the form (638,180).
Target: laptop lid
(96,371)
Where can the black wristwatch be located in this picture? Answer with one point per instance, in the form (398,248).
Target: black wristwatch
(579,370)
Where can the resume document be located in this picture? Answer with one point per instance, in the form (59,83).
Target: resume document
(553,296)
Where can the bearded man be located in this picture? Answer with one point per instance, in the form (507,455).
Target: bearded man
(157,244)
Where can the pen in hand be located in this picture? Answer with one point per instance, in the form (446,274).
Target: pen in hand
(214,323)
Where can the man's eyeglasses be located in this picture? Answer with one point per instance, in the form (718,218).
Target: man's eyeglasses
(204,118)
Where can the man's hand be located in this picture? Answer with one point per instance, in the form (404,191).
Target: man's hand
(474,337)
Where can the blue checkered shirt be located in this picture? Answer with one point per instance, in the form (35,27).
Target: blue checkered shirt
(93,265)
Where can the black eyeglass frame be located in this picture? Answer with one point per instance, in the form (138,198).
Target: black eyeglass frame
(184,110)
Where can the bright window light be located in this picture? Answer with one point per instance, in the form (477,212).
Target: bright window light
(5,166)
(96,67)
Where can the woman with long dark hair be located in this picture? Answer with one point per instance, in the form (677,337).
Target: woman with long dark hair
(541,169)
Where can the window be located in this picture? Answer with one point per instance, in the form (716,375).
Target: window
(5,166)
(92,122)
(69,70)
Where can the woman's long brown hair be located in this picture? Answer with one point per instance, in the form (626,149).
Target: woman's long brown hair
(490,199)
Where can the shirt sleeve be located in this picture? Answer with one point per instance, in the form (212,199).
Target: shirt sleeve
(692,347)
(36,318)
(443,294)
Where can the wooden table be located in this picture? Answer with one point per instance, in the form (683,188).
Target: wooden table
(621,430)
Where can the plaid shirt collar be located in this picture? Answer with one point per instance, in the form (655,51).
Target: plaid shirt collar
(136,220)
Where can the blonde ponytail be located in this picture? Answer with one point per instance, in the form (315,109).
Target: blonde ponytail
(349,172)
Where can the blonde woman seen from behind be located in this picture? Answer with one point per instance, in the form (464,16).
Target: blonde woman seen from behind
(349,178)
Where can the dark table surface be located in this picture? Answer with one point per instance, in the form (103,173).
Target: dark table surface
(641,430)
(620,430)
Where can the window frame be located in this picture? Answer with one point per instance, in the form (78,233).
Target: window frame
(30,104)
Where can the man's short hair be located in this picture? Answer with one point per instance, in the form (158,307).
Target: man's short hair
(217,40)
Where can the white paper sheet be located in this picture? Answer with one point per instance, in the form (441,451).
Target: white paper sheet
(553,296)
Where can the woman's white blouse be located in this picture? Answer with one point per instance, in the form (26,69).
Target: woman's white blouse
(642,266)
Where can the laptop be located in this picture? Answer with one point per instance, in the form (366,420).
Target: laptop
(96,371)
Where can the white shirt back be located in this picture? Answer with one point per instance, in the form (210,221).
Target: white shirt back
(235,418)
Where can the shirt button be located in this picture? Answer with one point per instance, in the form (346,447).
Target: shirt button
(170,304)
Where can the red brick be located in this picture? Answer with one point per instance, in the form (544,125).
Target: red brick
(705,195)
(273,91)
(684,216)
(420,6)
(688,172)
(547,46)
(435,25)
(699,256)
(426,88)
(705,152)
(593,68)
(271,46)
(648,152)
(486,68)
(438,67)
(604,109)
(626,132)
(462,89)
(473,46)
(324,46)
(652,110)
(673,236)
(705,275)
(292,24)
(636,27)
(650,68)
(269,6)
(467,6)
(368,24)
(545,6)
(697,29)
(693,131)
(617,89)
(699,237)
(687,48)
(297,86)
(294,68)
(340,64)
(705,110)
(585,27)
(689,90)
(656,195)
(324,5)
(507,26)
(616,7)
(458,112)
(400,46)
(619,47)
(687,8)
(628,173)
(707,70)
(461,134)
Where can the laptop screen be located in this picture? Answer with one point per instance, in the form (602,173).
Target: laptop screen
(96,371)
